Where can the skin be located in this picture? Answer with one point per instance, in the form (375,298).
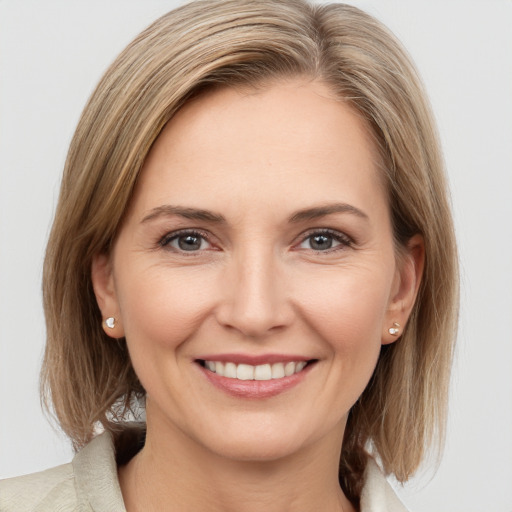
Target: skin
(254,285)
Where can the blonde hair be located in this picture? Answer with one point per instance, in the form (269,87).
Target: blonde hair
(88,377)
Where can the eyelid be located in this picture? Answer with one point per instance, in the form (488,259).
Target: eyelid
(166,239)
(341,237)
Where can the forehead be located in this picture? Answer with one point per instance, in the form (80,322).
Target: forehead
(276,144)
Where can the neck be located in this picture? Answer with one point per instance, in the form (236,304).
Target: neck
(174,473)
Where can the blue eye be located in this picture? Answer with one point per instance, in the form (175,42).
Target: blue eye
(324,241)
(188,241)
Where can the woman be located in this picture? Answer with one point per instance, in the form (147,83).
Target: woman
(251,232)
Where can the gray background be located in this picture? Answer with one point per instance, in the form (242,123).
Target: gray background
(52,54)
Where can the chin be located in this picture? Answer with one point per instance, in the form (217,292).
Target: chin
(263,441)
(257,449)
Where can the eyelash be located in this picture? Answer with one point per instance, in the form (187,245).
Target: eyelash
(343,240)
(166,240)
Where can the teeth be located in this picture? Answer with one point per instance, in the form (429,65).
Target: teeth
(289,369)
(263,372)
(277,370)
(259,372)
(300,366)
(243,372)
(230,370)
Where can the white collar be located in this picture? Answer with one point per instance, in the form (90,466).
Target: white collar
(95,470)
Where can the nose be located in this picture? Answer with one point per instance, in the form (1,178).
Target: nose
(254,297)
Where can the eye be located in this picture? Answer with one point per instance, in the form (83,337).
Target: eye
(323,241)
(186,241)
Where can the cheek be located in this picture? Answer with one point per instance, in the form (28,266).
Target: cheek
(346,312)
(162,308)
(347,309)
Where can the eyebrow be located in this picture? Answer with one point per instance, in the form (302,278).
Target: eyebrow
(187,213)
(206,215)
(322,211)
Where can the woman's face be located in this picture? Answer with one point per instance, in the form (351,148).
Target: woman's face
(254,277)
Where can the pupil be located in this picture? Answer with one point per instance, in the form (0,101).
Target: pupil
(320,242)
(189,243)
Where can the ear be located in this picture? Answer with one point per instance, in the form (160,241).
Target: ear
(406,284)
(104,288)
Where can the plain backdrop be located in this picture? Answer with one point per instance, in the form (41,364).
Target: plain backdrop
(52,53)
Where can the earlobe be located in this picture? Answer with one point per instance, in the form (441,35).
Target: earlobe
(104,289)
(405,289)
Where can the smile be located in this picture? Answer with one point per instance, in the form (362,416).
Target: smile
(260,372)
(252,377)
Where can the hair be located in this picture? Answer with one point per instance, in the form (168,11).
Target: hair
(87,377)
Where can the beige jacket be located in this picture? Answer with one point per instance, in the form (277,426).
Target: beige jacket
(89,484)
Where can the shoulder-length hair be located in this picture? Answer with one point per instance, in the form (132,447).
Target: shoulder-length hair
(87,376)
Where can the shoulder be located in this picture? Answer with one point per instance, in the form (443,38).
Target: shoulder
(377,494)
(88,483)
(52,490)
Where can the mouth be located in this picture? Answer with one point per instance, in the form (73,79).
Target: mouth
(250,376)
(268,376)
(260,372)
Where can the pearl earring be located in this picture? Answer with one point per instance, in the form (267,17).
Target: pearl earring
(395,329)
(110,322)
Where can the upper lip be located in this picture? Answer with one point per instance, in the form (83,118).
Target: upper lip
(254,360)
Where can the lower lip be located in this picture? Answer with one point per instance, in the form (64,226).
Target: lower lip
(255,389)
